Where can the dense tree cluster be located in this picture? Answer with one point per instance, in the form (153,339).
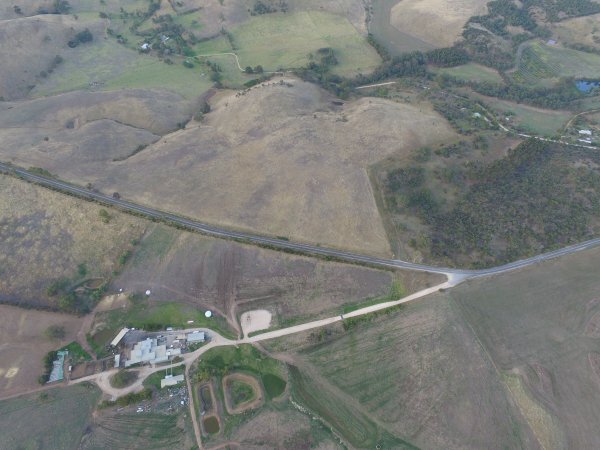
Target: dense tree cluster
(533,200)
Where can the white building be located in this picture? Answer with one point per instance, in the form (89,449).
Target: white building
(196,336)
(119,337)
(171,380)
(585,132)
(147,351)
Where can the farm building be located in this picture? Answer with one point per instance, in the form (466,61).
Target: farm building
(196,336)
(171,380)
(119,337)
(147,351)
(585,132)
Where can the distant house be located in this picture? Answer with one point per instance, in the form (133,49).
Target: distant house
(551,42)
(145,46)
(585,132)
(171,380)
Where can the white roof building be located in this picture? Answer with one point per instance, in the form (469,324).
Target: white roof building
(171,380)
(196,336)
(585,132)
(119,337)
(147,351)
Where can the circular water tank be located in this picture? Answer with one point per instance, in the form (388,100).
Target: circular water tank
(208,314)
(148,292)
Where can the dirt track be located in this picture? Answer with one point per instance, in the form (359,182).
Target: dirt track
(248,379)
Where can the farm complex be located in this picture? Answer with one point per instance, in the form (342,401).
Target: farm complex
(299,224)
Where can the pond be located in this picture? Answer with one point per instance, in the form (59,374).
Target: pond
(587,85)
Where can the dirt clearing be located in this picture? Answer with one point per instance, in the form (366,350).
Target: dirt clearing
(255,320)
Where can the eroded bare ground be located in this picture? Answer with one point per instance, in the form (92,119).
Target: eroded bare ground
(232,278)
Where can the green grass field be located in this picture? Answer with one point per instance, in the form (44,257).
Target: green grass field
(529,119)
(148,315)
(54,419)
(541,62)
(472,72)
(114,66)
(278,41)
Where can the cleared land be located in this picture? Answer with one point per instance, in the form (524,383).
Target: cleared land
(437,22)
(472,72)
(28,47)
(57,418)
(297,35)
(420,374)
(231,278)
(45,236)
(294,164)
(24,345)
(544,62)
(137,431)
(539,326)
(579,30)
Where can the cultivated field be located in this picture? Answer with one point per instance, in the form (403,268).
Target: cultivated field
(231,278)
(24,345)
(438,22)
(540,327)
(421,375)
(294,164)
(541,62)
(45,236)
(56,418)
(138,431)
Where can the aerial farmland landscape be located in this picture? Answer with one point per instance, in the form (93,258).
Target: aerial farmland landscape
(299,224)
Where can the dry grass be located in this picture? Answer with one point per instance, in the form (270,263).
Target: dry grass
(437,22)
(279,160)
(45,235)
(24,345)
(28,47)
(231,278)
(538,324)
(579,30)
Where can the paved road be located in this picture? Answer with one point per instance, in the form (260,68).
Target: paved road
(455,276)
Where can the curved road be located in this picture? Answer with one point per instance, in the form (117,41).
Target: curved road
(455,276)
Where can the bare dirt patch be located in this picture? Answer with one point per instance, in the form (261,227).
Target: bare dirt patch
(249,380)
(438,22)
(255,320)
(23,345)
